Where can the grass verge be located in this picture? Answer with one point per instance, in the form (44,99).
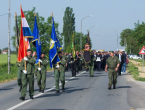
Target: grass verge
(134,71)
(5,77)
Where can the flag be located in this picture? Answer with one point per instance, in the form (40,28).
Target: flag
(25,38)
(53,57)
(27,34)
(17,34)
(36,41)
(72,46)
(87,50)
(59,47)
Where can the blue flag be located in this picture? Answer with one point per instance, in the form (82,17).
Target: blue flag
(58,44)
(53,57)
(36,41)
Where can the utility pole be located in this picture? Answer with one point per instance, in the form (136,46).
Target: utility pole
(81,38)
(9,39)
(117,39)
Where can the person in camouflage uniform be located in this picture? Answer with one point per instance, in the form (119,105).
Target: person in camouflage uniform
(91,65)
(112,65)
(59,70)
(27,75)
(41,72)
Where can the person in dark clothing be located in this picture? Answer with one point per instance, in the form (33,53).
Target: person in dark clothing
(77,61)
(104,61)
(95,63)
(121,57)
(123,70)
(99,58)
(116,54)
(72,63)
(107,55)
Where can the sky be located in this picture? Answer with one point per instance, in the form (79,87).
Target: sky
(110,16)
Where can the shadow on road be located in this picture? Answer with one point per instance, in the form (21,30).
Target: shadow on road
(119,87)
(40,109)
(4,89)
(68,90)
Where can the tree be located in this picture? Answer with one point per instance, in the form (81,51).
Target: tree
(68,26)
(44,28)
(135,38)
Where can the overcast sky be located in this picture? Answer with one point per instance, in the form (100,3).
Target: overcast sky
(109,15)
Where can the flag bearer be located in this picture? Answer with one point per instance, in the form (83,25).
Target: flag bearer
(27,66)
(60,72)
(41,72)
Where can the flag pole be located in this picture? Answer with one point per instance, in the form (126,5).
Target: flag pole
(39,62)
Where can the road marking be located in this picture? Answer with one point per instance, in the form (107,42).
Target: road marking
(26,101)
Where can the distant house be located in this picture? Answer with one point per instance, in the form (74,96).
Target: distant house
(4,51)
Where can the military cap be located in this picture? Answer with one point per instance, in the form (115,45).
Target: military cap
(112,51)
(42,52)
(59,52)
(29,50)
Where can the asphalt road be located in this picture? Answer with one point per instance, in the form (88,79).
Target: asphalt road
(82,93)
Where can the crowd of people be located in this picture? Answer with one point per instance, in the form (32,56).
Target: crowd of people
(99,61)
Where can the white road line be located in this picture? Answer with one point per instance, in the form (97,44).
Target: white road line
(26,101)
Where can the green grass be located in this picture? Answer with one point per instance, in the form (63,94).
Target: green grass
(4,58)
(134,71)
(4,77)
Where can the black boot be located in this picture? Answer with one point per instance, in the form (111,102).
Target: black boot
(40,89)
(109,87)
(22,98)
(57,91)
(31,97)
(114,86)
(63,90)
(20,89)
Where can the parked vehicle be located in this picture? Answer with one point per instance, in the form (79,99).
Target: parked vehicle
(136,57)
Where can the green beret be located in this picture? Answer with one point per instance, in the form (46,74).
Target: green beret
(29,50)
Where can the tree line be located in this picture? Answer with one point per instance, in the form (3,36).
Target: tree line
(133,39)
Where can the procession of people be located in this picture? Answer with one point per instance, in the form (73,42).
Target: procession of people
(61,61)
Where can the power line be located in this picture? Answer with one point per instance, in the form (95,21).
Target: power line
(12,16)
(4,14)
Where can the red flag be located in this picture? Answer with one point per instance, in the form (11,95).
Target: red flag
(25,38)
(21,46)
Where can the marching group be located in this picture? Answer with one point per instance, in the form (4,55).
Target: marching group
(113,62)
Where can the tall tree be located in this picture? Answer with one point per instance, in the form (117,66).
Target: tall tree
(68,27)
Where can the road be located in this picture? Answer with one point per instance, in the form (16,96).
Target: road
(82,93)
